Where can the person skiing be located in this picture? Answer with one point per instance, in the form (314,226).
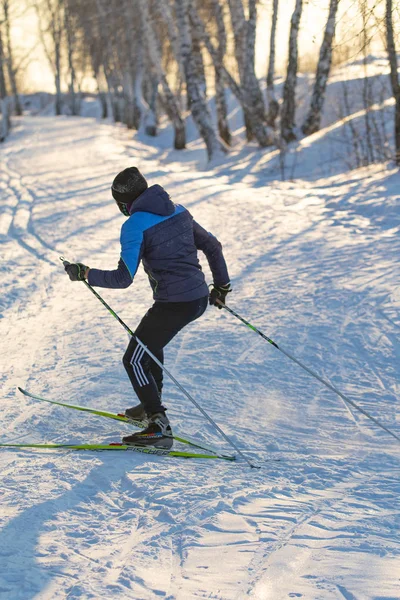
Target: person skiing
(165,238)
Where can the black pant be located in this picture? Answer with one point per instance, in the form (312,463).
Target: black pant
(157,328)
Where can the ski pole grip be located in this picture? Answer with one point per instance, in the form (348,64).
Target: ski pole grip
(64,261)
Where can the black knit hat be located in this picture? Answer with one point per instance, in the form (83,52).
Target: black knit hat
(126,187)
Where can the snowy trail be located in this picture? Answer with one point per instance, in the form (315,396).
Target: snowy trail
(315,267)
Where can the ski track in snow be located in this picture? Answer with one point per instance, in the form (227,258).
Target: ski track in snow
(315,267)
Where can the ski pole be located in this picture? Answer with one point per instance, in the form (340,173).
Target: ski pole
(178,385)
(312,373)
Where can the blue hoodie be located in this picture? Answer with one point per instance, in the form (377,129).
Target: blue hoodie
(165,238)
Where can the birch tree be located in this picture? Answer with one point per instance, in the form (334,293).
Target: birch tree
(165,13)
(170,103)
(51,22)
(198,62)
(134,62)
(250,81)
(11,70)
(150,92)
(238,21)
(245,35)
(273,105)
(137,73)
(144,108)
(112,55)
(94,48)
(289,91)
(220,98)
(197,103)
(5,119)
(70,31)
(367,95)
(121,29)
(313,120)
(105,53)
(394,77)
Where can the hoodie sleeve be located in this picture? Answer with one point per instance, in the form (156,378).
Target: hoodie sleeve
(212,248)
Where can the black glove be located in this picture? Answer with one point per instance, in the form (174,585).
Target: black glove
(219,292)
(76,271)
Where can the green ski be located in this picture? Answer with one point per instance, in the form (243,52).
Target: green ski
(117,447)
(124,419)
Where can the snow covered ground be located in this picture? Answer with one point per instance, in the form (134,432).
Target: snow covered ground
(314,264)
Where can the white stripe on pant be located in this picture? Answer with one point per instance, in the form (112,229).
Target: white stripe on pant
(137,366)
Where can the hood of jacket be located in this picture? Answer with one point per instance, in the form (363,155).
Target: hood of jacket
(154,200)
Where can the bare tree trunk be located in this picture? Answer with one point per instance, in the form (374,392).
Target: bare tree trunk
(57,80)
(56,32)
(128,61)
(165,13)
(95,54)
(198,106)
(103,100)
(394,77)
(110,89)
(129,94)
(146,116)
(220,99)
(10,62)
(198,62)
(313,119)
(5,119)
(250,80)
(54,28)
(289,92)
(273,105)
(111,58)
(71,41)
(117,54)
(151,89)
(245,36)
(367,94)
(142,105)
(239,28)
(170,102)
(127,15)
(139,107)
(103,34)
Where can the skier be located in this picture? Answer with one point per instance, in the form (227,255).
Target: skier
(165,238)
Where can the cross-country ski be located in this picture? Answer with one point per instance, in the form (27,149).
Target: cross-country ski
(115,447)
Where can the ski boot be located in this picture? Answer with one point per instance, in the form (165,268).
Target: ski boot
(136,413)
(158,433)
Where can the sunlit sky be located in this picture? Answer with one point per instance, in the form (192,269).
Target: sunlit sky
(38,75)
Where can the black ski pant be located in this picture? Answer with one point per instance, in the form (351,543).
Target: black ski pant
(157,328)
